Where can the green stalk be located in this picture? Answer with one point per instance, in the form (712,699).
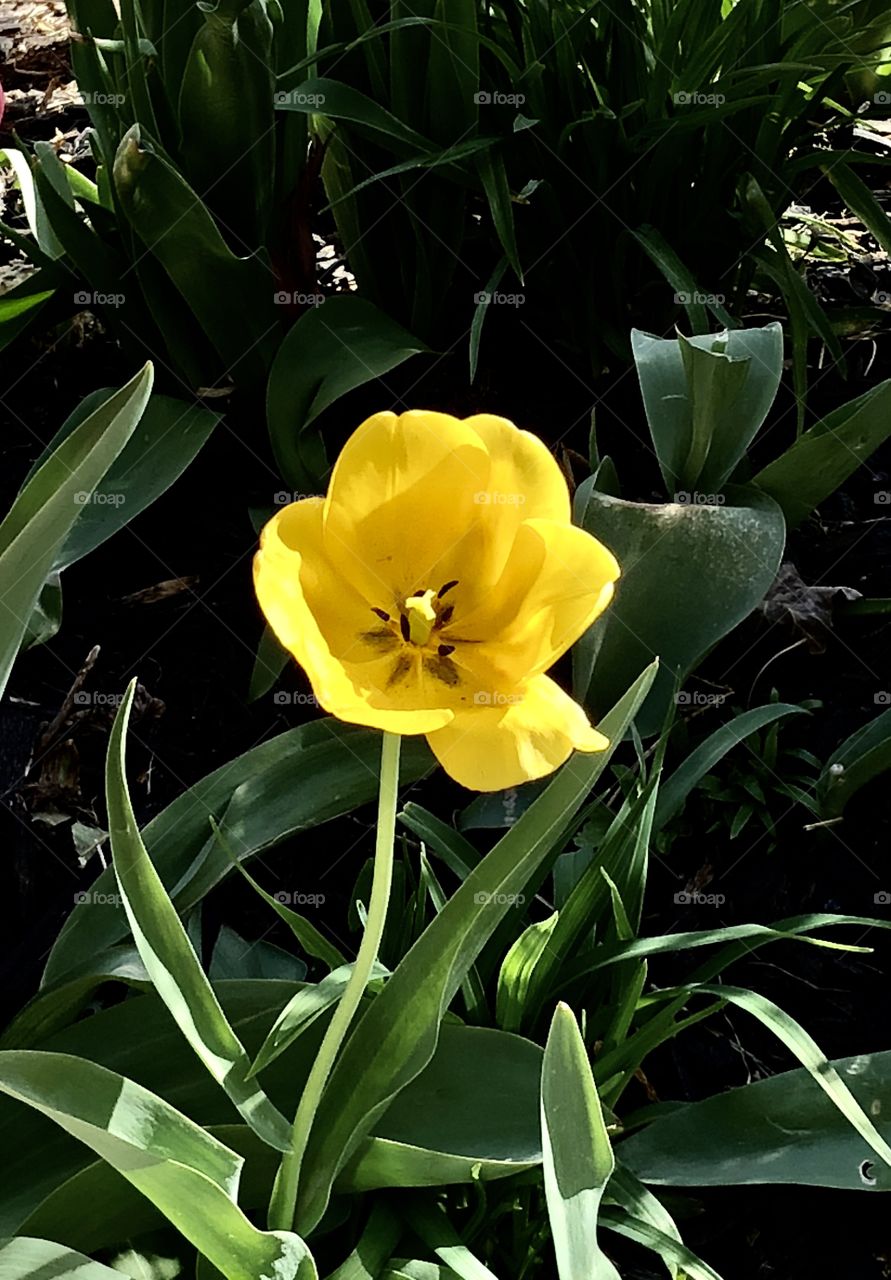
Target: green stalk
(284,1196)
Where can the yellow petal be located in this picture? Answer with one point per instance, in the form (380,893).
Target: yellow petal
(319,618)
(401,502)
(524,483)
(520,737)
(557,580)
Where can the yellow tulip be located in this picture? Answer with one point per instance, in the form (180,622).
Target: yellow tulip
(434,586)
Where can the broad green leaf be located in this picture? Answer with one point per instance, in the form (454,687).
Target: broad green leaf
(823,458)
(781,1130)
(171,433)
(294,781)
(47,508)
(690,574)
(397,1036)
(168,956)
(674,791)
(26,1258)
(859,759)
(471,1115)
(232,298)
(577,1153)
(822,1072)
(35,213)
(58,1006)
(861,202)
(226,116)
(333,348)
(706,398)
(19,306)
(190,1176)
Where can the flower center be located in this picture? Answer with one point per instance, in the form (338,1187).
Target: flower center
(422,616)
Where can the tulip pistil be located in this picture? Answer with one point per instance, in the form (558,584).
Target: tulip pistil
(421,616)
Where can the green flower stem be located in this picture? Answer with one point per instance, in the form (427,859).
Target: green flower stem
(284,1196)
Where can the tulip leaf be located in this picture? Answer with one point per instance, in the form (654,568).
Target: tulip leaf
(706,398)
(167,953)
(859,759)
(577,1152)
(332,349)
(690,574)
(232,298)
(190,1176)
(20,305)
(24,1258)
(48,506)
(171,433)
(781,1130)
(302,1010)
(294,781)
(672,1251)
(471,1115)
(825,455)
(397,1035)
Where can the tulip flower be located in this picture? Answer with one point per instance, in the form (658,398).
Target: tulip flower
(433,588)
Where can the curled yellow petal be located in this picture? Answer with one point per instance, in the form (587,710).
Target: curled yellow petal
(514,738)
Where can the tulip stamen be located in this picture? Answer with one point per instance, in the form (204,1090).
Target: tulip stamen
(447,587)
(445,617)
(445,649)
(405,627)
(381,613)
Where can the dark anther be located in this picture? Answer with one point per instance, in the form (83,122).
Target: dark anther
(404,628)
(445,616)
(382,614)
(445,649)
(448,586)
